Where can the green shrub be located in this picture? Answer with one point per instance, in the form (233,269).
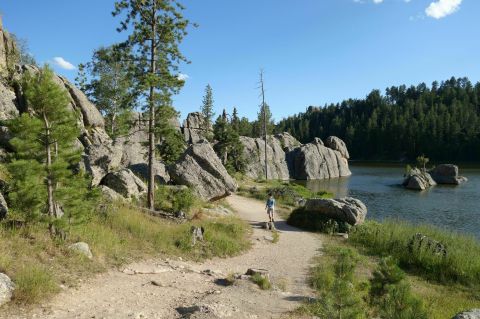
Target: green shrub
(262,281)
(391,293)
(339,295)
(316,222)
(459,264)
(174,199)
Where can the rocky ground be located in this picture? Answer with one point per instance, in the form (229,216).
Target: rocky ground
(172,288)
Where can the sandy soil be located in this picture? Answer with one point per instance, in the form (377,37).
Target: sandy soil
(174,288)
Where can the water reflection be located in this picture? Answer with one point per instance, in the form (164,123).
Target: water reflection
(453,207)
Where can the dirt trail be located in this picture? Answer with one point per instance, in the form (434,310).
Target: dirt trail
(194,290)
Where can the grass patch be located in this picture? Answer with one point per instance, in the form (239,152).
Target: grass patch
(32,284)
(38,265)
(261,281)
(440,301)
(275,236)
(459,263)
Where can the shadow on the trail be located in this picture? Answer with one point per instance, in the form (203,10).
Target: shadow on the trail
(279,225)
(300,299)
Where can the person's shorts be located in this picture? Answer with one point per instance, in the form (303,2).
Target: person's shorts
(269,211)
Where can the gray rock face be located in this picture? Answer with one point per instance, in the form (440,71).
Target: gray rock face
(287,141)
(102,155)
(3,207)
(316,161)
(7,48)
(447,174)
(8,103)
(254,152)
(348,209)
(135,153)
(82,248)
(91,115)
(337,144)
(194,128)
(418,180)
(125,183)
(200,168)
(6,289)
(471,314)
(109,194)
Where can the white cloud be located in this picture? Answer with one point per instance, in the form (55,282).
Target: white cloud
(377,1)
(442,8)
(64,64)
(182,76)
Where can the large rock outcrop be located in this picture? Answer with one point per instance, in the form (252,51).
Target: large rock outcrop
(447,174)
(348,209)
(125,183)
(316,161)
(194,128)
(287,158)
(7,48)
(254,152)
(200,168)
(418,179)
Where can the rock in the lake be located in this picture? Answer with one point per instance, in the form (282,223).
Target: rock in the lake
(471,314)
(447,174)
(316,161)
(82,248)
(6,289)
(417,179)
(125,183)
(200,168)
(254,152)
(349,210)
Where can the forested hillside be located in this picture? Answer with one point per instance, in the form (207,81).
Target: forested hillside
(441,121)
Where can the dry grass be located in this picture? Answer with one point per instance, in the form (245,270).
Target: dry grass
(38,265)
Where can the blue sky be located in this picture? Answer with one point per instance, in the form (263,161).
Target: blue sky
(312,51)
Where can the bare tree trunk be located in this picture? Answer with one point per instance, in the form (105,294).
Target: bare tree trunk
(264,123)
(50,199)
(151,120)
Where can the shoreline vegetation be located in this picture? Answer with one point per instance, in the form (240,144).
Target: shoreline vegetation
(438,285)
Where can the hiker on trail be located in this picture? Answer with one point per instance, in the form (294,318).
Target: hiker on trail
(270,206)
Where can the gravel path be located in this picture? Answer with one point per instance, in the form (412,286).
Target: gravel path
(179,289)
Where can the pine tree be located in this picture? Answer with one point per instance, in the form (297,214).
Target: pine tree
(81,78)
(45,154)
(258,125)
(207,110)
(235,121)
(339,298)
(171,144)
(112,87)
(391,294)
(228,146)
(158,27)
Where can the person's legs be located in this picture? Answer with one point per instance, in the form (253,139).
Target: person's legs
(270,214)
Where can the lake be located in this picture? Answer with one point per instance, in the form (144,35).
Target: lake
(452,207)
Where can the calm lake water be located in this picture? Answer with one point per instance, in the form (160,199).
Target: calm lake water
(452,207)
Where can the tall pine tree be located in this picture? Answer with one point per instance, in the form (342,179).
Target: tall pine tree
(158,27)
(207,110)
(44,182)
